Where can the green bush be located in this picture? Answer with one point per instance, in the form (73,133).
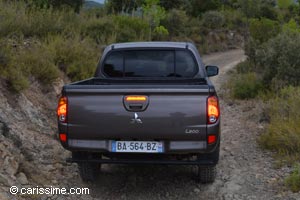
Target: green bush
(268,11)
(37,61)
(251,47)
(25,60)
(263,29)
(245,67)
(57,4)
(76,57)
(102,30)
(12,22)
(14,75)
(22,60)
(293,180)
(160,33)
(283,132)
(278,61)
(234,19)
(213,19)
(176,22)
(130,29)
(107,30)
(244,86)
(284,4)
(17,81)
(20,19)
(291,26)
(196,8)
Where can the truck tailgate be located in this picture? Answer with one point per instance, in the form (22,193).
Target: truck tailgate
(172,113)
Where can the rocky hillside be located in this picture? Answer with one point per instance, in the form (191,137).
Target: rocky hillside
(29,149)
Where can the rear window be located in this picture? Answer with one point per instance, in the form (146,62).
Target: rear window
(150,63)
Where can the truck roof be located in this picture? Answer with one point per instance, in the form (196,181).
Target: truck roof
(151,45)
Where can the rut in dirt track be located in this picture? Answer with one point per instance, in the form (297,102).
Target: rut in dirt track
(244,171)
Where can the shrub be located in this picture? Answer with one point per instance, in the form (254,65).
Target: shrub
(195,8)
(13,75)
(76,57)
(19,19)
(279,62)
(213,19)
(160,33)
(130,29)
(102,30)
(25,60)
(284,4)
(245,67)
(263,29)
(268,11)
(251,47)
(74,4)
(11,21)
(244,86)
(176,22)
(17,81)
(283,132)
(293,180)
(291,26)
(120,28)
(36,61)
(234,19)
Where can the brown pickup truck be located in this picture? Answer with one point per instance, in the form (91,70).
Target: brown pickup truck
(149,103)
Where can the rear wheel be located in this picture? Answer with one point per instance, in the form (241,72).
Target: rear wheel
(206,174)
(89,171)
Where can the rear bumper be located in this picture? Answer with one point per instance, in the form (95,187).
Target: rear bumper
(175,147)
(170,147)
(211,158)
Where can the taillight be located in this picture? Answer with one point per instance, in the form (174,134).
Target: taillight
(62,109)
(63,137)
(213,110)
(211,139)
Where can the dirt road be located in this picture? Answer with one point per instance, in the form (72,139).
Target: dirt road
(244,171)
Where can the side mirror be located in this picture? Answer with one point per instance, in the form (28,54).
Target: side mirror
(212,70)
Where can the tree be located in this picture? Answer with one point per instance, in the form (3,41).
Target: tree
(171,4)
(284,4)
(176,22)
(57,4)
(153,13)
(197,7)
(263,29)
(257,8)
(251,8)
(123,6)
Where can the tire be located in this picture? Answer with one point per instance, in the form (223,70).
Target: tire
(89,171)
(206,174)
(214,156)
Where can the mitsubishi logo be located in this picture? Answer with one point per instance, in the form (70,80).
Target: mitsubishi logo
(136,119)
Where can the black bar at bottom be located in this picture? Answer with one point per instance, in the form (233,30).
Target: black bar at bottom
(131,161)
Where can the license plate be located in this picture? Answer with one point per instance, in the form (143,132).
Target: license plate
(137,146)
